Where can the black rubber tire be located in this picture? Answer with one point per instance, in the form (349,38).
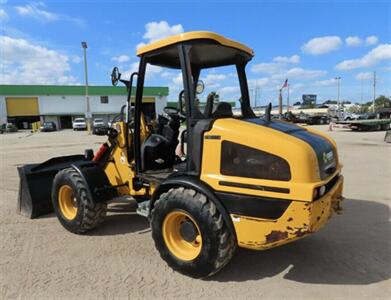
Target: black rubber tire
(89,215)
(218,243)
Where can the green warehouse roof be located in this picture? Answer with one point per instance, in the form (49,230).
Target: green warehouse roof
(65,90)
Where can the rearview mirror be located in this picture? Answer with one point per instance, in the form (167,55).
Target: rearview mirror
(115,76)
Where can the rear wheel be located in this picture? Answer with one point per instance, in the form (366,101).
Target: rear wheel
(190,233)
(72,204)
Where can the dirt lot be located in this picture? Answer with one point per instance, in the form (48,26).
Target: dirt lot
(350,258)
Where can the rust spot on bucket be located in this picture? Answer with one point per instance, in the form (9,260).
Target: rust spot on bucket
(275,236)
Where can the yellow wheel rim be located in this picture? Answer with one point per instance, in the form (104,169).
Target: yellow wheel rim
(67,202)
(175,242)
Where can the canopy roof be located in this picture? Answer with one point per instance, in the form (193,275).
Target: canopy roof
(208,49)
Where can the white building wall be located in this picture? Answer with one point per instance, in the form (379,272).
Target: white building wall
(54,105)
(3,110)
(75,105)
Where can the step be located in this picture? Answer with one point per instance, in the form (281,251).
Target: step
(143,209)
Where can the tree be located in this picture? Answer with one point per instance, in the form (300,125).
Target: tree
(382,101)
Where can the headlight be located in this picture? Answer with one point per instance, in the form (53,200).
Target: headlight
(322,190)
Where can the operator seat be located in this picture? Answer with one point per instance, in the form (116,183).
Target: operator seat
(158,150)
(223,110)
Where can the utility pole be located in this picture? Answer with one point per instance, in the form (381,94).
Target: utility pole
(280,103)
(374,90)
(88,110)
(338,79)
(287,100)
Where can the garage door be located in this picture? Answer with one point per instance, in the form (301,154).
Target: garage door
(22,107)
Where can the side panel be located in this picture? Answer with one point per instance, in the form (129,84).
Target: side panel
(300,156)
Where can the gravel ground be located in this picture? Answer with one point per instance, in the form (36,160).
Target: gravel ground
(349,258)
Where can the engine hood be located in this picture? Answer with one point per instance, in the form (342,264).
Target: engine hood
(323,149)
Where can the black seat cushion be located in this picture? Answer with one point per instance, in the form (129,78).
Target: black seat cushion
(223,110)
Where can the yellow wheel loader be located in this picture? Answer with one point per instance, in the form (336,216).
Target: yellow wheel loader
(240,180)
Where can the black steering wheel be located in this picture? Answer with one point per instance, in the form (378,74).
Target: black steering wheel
(173,112)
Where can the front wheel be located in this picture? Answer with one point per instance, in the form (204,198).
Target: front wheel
(72,204)
(190,233)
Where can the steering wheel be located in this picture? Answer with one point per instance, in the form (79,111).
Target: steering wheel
(171,111)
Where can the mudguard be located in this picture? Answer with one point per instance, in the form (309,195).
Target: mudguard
(36,182)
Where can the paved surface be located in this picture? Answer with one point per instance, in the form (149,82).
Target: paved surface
(349,258)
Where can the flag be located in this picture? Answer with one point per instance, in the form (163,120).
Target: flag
(285,84)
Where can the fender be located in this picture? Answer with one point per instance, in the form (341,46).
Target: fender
(196,184)
(99,187)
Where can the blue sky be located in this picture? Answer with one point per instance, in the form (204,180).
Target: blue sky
(308,42)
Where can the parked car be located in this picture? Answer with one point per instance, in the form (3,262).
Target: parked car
(99,127)
(367,116)
(100,130)
(79,124)
(11,128)
(48,126)
(350,116)
(98,122)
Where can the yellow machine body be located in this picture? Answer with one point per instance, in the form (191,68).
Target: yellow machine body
(303,215)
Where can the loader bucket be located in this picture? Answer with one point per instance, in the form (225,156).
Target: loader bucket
(35,185)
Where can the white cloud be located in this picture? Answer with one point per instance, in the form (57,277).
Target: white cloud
(158,30)
(326,82)
(26,63)
(178,80)
(322,45)
(38,11)
(300,73)
(212,81)
(120,58)
(258,82)
(381,52)
(167,74)
(297,86)
(268,68)
(276,66)
(150,72)
(3,15)
(371,40)
(155,31)
(353,41)
(229,92)
(76,59)
(364,76)
(294,59)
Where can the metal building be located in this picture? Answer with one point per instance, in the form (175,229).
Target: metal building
(25,104)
